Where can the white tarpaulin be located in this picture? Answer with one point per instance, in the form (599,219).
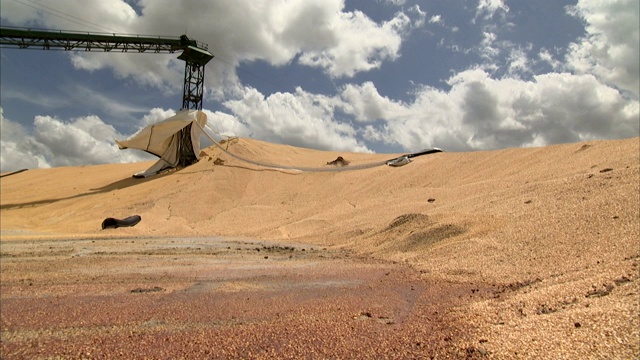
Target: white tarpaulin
(175,140)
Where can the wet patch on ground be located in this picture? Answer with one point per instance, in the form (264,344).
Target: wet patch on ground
(204,297)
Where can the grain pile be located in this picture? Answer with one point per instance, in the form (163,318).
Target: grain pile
(550,235)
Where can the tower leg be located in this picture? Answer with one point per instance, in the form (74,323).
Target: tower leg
(193,86)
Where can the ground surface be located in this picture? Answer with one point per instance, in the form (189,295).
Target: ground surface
(212,298)
(512,254)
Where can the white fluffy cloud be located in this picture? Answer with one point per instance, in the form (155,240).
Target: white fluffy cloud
(105,15)
(496,103)
(477,112)
(610,49)
(367,105)
(364,44)
(277,31)
(299,119)
(480,112)
(16,147)
(53,142)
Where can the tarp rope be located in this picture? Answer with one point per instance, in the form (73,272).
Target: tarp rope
(309,169)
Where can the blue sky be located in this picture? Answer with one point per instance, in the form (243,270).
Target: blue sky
(367,76)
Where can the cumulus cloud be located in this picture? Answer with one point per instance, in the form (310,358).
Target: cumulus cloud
(53,142)
(17,150)
(299,119)
(364,44)
(105,15)
(225,125)
(156,115)
(366,104)
(480,112)
(611,48)
(276,31)
(495,102)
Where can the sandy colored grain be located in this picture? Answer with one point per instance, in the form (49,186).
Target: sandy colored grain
(549,236)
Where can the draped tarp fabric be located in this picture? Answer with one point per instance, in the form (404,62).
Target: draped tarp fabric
(175,140)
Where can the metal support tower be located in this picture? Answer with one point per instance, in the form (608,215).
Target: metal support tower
(195,54)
